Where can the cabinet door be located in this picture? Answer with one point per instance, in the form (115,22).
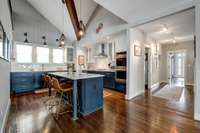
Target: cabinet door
(70,54)
(22,82)
(38,80)
(91,95)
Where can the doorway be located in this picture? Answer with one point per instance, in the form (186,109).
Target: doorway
(176,66)
(147,68)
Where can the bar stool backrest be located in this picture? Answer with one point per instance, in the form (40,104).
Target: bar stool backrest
(49,81)
(56,84)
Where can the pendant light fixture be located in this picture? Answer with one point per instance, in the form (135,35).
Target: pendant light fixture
(26,37)
(81,24)
(44,39)
(62,36)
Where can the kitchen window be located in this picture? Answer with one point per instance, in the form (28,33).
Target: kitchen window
(58,56)
(23,53)
(42,55)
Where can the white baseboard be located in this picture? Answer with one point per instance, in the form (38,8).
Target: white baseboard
(197,116)
(154,86)
(135,95)
(5,117)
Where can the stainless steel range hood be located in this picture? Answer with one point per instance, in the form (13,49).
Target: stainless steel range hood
(102,53)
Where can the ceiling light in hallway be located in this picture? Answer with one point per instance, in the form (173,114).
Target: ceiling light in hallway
(174,41)
(165,29)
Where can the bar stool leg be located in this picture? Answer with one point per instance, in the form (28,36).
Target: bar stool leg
(59,105)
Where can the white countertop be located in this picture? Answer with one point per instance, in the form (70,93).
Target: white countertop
(101,70)
(75,75)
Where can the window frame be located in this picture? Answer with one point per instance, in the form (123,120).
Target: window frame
(18,43)
(63,55)
(36,55)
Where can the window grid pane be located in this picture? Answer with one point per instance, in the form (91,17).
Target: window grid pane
(58,56)
(42,55)
(24,54)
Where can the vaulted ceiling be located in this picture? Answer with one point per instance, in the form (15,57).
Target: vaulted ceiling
(27,19)
(85,9)
(137,11)
(57,14)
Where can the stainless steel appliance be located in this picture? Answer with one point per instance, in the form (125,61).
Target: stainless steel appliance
(121,62)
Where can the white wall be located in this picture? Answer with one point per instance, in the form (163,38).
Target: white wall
(197,63)
(5,66)
(189,64)
(136,67)
(154,62)
(136,80)
(5,91)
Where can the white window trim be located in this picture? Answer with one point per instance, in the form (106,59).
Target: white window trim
(34,56)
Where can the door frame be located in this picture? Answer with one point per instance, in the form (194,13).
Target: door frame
(169,64)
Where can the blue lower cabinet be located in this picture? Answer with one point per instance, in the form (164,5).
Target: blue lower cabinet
(91,95)
(25,81)
(38,80)
(108,79)
(120,87)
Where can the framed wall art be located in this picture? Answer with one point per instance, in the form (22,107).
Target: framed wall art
(137,50)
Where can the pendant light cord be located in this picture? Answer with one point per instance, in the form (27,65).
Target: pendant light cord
(63,15)
(80,11)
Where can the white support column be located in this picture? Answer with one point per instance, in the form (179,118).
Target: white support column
(197,66)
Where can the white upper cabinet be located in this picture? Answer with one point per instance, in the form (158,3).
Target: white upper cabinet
(111,50)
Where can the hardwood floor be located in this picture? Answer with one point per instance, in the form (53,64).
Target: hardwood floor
(143,114)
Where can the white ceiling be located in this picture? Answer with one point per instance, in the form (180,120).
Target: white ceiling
(134,11)
(27,19)
(181,27)
(54,10)
(86,7)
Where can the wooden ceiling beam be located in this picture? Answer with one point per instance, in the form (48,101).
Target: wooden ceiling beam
(74,17)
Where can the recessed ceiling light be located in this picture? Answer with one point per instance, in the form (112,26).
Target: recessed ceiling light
(174,41)
(165,28)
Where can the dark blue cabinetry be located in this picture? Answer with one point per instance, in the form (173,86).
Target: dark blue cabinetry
(108,79)
(91,95)
(120,87)
(25,81)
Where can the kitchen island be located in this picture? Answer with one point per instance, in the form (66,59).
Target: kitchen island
(90,91)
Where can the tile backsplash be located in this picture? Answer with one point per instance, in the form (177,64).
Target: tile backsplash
(15,67)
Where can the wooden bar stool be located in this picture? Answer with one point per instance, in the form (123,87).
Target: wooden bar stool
(64,91)
(50,102)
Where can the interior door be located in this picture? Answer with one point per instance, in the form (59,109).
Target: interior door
(178,65)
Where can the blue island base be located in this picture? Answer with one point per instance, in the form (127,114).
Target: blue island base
(91,95)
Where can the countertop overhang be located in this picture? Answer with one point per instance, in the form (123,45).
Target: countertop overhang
(75,75)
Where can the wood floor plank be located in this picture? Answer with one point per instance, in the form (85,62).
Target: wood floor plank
(142,114)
